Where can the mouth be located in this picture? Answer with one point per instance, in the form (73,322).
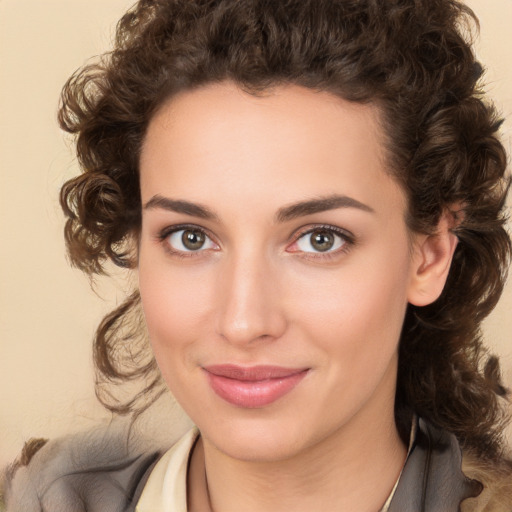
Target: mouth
(253,387)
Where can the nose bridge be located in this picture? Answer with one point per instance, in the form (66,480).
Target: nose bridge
(249,306)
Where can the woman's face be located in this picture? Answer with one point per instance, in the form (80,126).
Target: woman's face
(275,266)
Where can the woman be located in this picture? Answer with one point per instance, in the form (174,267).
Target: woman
(312,194)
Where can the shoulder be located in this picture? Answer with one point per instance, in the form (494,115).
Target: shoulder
(497,482)
(488,485)
(438,476)
(101,470)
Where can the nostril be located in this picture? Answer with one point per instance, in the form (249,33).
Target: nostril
(248,305)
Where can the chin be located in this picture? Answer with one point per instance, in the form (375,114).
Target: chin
(263,439)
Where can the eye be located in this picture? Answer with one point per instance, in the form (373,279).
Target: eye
(188,240)
(321,240)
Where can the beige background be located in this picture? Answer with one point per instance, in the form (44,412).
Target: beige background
(47,310)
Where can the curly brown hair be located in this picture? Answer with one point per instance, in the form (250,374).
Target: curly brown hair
(413,59)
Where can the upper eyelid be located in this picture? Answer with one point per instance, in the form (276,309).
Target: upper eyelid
(168,230)
(296,235)
(348,242)
(327,227)
(297,232)
(163,235)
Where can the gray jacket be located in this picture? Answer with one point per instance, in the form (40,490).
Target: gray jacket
(101,474)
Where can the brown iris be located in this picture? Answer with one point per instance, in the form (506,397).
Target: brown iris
(322,240)
(193,239)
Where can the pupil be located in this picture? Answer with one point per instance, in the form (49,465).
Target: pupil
(322,240)
(192,240)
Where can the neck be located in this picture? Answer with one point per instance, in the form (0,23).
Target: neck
(353,469)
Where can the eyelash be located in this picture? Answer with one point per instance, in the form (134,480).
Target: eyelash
(348,240)
(168,231)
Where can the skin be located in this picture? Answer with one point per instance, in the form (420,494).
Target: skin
(258,292)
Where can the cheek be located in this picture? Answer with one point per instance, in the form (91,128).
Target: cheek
(356,314)
(176,307)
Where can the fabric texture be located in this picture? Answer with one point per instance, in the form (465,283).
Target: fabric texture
(431,480)
(102,474)
(98,471)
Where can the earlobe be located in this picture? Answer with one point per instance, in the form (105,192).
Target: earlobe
(431,262)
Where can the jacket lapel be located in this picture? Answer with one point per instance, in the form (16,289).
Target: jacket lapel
(432,479)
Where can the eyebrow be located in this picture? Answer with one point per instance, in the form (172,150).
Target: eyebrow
(284,214)
(320,204)
(180,206)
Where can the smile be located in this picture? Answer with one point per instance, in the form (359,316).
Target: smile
(253,387)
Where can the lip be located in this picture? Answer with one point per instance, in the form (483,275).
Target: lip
(254,386)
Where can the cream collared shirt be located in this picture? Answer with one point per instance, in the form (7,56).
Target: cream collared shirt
(166,488)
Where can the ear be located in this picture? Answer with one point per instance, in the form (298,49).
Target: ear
(431,262)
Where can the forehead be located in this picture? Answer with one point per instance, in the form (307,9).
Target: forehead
(290,140)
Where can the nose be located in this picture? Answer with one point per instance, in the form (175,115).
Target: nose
(249,303)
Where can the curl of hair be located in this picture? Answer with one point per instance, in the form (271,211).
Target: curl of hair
(413,60)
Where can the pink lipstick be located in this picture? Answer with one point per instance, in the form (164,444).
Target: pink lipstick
(255,386)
